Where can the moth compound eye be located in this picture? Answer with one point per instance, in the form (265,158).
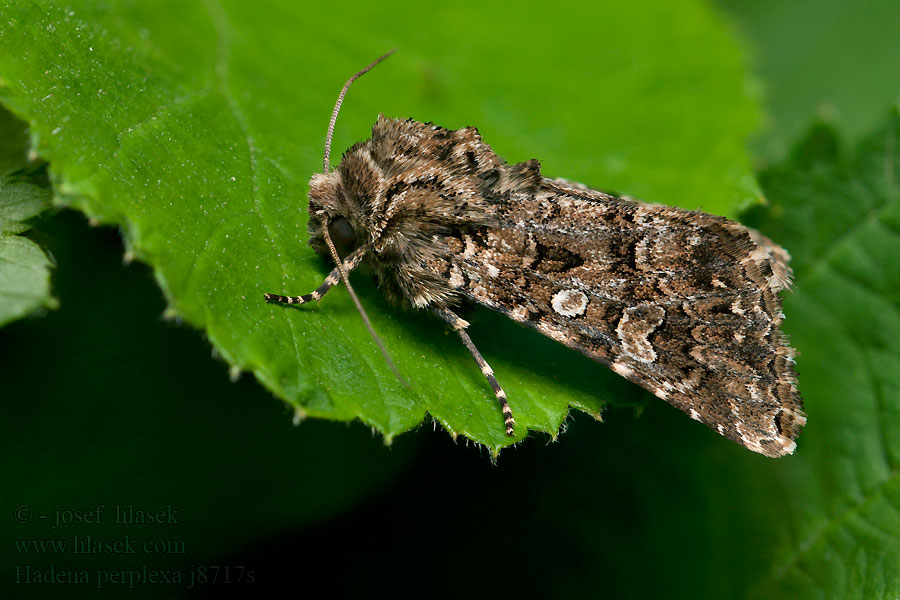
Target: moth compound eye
(342,235)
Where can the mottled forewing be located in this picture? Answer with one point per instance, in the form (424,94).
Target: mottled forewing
(681,302)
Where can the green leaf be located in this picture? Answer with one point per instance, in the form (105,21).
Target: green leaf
(840,216)
(194,126)
(834,58)
(24,267)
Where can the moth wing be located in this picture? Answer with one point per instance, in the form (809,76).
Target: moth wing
(401,146)
(681,302)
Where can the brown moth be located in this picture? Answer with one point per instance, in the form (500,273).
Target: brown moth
(683,303)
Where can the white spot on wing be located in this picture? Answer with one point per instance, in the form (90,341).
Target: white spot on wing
(456,278)
(471,248)
(519,313)
(569,303)
(622,369)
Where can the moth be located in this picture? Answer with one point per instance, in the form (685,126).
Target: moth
(683,303)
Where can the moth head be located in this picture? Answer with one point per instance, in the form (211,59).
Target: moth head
(329,203)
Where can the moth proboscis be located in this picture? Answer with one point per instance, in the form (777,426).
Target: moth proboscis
(681,302)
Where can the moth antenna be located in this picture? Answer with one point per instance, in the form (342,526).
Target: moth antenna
(340,263)
(337,108)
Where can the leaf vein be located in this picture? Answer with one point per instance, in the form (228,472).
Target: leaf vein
(832,524)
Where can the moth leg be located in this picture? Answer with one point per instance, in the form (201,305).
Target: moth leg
(351,262)
(459,325)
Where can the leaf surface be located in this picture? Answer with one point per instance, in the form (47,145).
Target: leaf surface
(839,213)
(831,58)
(195,126)
(24,266)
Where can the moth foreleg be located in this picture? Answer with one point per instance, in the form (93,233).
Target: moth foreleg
(349,263)
(459,325)
(314,295)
